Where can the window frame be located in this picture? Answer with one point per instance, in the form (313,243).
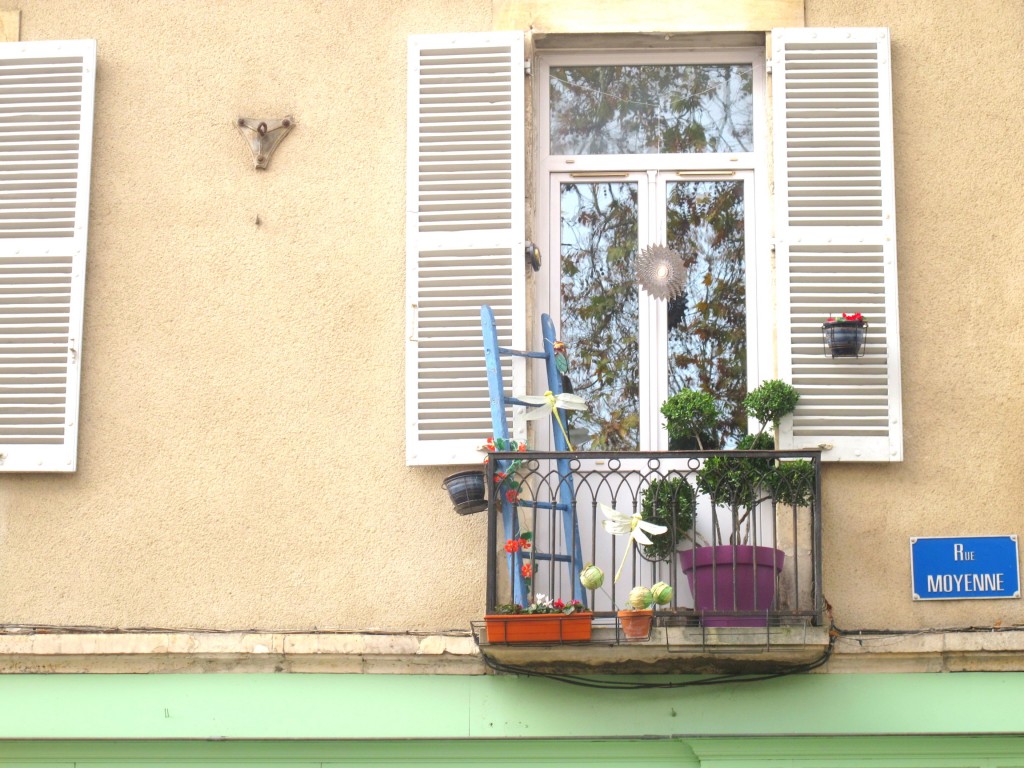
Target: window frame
(752,167)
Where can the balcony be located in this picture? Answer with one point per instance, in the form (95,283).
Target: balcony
(743,532)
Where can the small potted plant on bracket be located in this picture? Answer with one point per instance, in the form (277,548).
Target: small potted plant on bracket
(467,489)
(844,337)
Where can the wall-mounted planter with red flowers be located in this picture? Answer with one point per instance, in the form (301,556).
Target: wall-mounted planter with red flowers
(845,337)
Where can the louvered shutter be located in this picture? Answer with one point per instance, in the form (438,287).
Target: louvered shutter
(465,235)
(46,117)
(836,237)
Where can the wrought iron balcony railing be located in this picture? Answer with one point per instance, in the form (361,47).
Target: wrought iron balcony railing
(743,545)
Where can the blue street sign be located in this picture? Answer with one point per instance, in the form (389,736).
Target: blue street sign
(964,567)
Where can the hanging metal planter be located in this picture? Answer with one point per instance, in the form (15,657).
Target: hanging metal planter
(846,337)
(466,490)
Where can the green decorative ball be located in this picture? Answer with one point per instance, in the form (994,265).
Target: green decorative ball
(661,593)
(591,577)
(640,598)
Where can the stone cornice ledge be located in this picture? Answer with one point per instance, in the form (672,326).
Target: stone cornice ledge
(929,651)
(447,654)
(148,652)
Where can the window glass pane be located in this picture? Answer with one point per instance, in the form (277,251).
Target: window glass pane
(645,109)
(707,340)
(600,311)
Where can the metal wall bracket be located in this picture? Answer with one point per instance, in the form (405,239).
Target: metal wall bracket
(263,136)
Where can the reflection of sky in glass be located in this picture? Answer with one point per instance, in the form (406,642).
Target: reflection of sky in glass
(707,324)
(600,314)
(650,109)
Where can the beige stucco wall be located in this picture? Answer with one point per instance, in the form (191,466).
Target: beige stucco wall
(959,162)
(241,447)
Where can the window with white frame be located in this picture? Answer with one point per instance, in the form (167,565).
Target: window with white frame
(655,147)
(636,150)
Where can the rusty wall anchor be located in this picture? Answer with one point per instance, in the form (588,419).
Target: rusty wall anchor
(263,136)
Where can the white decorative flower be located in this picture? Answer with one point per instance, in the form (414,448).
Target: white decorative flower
(620,524)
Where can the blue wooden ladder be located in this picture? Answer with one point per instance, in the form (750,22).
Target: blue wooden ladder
(573,556)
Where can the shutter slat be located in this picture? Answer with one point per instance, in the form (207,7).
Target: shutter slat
(465,231)
(836,238)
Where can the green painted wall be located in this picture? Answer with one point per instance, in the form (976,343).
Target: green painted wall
(296,754)
(806,752)
(243,706)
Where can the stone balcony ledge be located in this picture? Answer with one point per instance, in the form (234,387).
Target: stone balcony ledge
(340,652)
(669,650)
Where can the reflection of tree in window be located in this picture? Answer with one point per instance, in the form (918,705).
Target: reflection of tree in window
(600,310)
(643,109)
(707,328)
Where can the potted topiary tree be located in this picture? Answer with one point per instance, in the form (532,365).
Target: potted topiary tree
(735,573)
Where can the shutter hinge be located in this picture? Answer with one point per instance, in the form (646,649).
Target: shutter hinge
(528,67)
(768,66)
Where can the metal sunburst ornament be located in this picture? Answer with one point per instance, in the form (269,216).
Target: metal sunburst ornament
(661,272)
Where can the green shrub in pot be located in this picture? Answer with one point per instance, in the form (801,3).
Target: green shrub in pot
(670,502)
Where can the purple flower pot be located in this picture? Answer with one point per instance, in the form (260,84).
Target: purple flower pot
(733,578)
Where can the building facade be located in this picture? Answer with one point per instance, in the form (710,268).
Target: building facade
(231,394)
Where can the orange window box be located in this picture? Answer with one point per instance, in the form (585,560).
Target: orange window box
(539,627)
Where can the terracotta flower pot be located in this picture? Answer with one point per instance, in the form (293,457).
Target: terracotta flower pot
(538,627)
(636,625)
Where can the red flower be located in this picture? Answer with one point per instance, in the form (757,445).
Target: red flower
(499,476)
(855,317)
(558,604)
(527,571)
(490,443)
(522,447)
(512,496)
(512,545)
(524,543)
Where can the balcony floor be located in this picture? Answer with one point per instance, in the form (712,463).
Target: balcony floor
(697,650)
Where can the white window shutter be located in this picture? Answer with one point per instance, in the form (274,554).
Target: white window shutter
(836,237)
(465,232)
(46,123)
